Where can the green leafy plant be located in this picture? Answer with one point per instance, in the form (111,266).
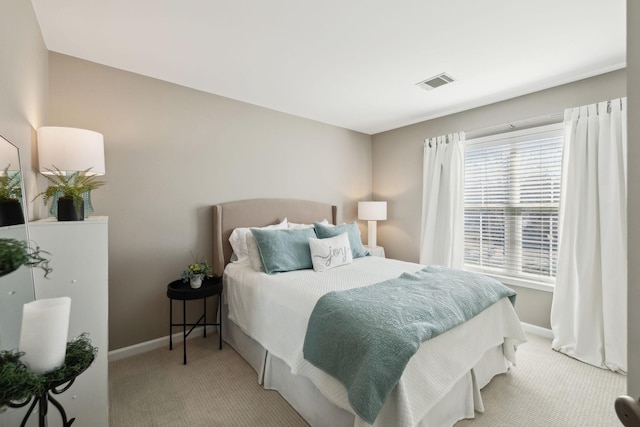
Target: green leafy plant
(9,186)
(79,356)
(14,253)
(17,382)
(199,269)
(71,186)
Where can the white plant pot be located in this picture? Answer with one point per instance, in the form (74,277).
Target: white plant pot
(195,282)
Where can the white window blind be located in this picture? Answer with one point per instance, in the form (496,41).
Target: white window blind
(512,193)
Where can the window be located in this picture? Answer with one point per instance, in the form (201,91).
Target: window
(511,198)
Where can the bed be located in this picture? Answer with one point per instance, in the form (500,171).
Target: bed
(266,318)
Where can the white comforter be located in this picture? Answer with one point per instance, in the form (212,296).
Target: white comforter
(274,311)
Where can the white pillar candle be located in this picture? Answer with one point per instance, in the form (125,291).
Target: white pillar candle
(44,332)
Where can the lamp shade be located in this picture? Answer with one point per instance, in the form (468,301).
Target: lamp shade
(70,150)
(372,211)
(8,157)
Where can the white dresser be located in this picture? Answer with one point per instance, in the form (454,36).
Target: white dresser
(79,258)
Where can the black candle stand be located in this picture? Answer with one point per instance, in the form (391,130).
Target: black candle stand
(40,389)
(42,401)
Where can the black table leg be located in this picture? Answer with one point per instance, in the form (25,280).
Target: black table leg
(220,321)
(170,323)
(184,331)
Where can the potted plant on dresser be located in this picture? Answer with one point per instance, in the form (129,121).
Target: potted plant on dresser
(10,193)
(69,188)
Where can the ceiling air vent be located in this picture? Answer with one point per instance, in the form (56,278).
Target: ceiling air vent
(436,81)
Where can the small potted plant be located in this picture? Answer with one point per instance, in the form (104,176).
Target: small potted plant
(195,273)
(70,189)
(15,253)
(10,193)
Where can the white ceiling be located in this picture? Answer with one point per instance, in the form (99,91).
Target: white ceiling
(349,63)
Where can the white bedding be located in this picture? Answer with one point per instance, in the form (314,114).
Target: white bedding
(274,310)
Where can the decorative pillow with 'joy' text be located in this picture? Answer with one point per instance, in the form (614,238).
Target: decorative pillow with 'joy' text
(331,252)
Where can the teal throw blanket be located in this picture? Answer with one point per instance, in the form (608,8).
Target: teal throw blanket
(364,337)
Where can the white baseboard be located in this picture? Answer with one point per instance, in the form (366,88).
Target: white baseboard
(143,347)
(537,330)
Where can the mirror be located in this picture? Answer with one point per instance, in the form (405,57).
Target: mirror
(16,287)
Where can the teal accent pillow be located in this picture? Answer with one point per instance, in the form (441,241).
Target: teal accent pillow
(357,249)
(284,250)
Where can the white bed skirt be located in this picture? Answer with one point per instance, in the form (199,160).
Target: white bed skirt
(460,402)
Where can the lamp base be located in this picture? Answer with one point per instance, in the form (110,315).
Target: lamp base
(371,239)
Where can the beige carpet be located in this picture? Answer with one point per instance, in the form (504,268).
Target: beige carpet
(215,388)
(550,389)
(218,388)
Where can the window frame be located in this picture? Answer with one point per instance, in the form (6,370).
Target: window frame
(510,228)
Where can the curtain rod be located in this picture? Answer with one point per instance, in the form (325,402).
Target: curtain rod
(546,119)
(540,120)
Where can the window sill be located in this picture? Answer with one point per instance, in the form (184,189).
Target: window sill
(538,286)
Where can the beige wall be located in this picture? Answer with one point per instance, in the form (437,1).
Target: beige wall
(23,82)
(172,152)
(397,166)
(633,212)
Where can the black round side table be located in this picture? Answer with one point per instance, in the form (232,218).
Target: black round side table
(183,291)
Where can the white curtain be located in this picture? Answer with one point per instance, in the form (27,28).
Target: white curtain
(589,309)
(442,232)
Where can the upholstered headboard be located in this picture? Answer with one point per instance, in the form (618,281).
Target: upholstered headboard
(258,213)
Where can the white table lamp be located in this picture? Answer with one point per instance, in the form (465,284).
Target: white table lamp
(372,212)
(70,150)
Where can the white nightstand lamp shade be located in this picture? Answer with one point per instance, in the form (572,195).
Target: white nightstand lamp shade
(372,212)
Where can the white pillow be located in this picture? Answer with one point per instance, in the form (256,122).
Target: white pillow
(330,253)
(238,240)
(295,225)
(254,253)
